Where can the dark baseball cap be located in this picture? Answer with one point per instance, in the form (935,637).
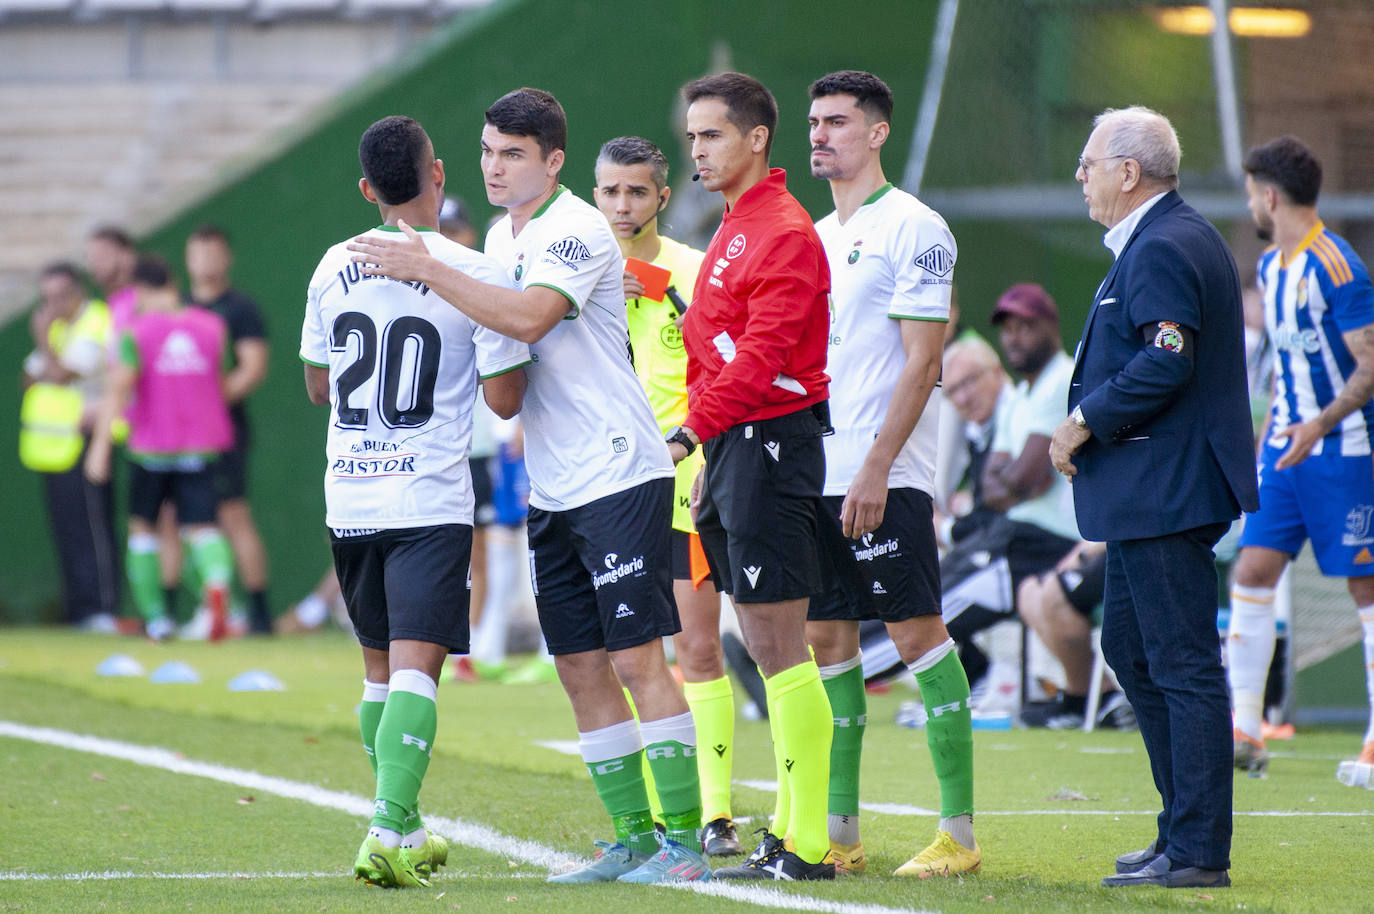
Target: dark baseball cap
(1028,300)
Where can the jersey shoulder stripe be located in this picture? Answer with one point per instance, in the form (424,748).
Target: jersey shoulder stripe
(1331,256)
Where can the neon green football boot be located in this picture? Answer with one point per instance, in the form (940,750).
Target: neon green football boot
(389,867)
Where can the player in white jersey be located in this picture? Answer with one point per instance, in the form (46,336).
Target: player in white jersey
(891,265)
(1315,479)
(601,483)
(399,368)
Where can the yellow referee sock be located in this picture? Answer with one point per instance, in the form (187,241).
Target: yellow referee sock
(713,709)
(805,728)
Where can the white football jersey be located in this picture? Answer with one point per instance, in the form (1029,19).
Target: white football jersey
(589,430)
(893,260)
(403,369)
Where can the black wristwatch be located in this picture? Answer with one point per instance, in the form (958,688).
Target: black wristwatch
(678,436)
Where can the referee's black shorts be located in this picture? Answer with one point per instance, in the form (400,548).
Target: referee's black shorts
(759,509)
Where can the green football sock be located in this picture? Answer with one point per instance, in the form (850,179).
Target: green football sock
(615,759)
(369,716)
(211,556)
(650,788)
(806,727)
(849,709)
(669,748)
(713,710)
(145,578)
(405,739)
(949,728)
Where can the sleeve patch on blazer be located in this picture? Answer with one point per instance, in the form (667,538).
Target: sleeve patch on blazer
(1169,338)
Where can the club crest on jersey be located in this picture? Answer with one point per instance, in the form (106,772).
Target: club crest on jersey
(854,256)
(736,247)
(570,251)
(937,260)
(1302,292)
(1169,338)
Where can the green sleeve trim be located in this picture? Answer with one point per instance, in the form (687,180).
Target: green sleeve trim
(397,228)
(912,317)
(576,310)
(497,374)
(316,364)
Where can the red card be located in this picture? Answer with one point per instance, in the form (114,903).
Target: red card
(655,279)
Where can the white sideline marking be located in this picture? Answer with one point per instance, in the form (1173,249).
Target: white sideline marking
(900,809)
(565,746)
(111,875)
(468,834)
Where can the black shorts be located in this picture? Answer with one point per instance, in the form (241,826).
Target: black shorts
(1084,584)
(231,470)
(189,485)
(890,574)
(601,572)
(409,584)
(760,501)
(680,548)
(483,511)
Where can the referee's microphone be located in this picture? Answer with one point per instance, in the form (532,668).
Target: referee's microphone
(645,224)
(696,177)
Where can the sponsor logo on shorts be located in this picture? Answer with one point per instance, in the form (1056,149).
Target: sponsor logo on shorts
(868,550)
(623,612)
(752,572)
(344,467)
(616,569)
(878,588)
(344,533)
(774,448)
(1357,524)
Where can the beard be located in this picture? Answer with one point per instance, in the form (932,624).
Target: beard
(1032,360)
(1264,229)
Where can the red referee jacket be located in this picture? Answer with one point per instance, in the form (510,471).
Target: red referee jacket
(757,330)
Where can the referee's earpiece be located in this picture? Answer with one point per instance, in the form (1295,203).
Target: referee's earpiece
(662,202)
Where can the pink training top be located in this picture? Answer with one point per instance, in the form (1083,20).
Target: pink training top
(179,405)
(123,304)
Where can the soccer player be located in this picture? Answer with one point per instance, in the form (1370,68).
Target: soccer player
(208,261)
(1314,464)
(398,368)
(891,264)
(631,190)
(600,477)
(169,381)
(755,338)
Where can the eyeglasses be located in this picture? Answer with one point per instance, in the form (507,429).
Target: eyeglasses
(1087,164)
(965,384)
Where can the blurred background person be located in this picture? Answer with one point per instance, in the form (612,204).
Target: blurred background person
(64,380)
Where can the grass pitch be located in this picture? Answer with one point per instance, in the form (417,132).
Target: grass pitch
(259,799)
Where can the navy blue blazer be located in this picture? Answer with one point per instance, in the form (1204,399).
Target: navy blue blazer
(1172,445)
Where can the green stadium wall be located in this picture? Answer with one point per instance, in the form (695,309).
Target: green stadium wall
(616,67)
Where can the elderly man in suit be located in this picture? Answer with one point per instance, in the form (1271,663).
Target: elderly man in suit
(1159,449)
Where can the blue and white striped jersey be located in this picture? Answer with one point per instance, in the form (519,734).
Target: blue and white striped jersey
(1309,303)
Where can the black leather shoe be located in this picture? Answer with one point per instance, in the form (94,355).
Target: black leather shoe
(1158,872)
(1129,863)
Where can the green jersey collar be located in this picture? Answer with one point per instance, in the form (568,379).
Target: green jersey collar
(547,203)
(877,194)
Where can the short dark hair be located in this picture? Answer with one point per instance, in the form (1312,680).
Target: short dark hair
(871,94)
(748,102)
(114,235)
(392,153)
(152,271)
(63,268)
(635,150)
(208,231)
(533,113)
(1290,166)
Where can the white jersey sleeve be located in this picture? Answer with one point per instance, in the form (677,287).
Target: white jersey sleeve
(565,261)
(923,254)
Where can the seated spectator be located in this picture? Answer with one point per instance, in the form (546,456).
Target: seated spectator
(1061,606)
(1030,524)
(975,384)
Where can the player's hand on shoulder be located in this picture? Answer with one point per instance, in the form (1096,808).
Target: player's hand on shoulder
(406,258)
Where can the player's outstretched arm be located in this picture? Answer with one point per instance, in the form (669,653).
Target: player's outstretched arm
(505,392)
(522,315)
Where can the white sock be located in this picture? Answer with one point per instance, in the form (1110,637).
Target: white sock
(1249,651)
(489,638)
(843,829)
(960,828)
(1367,620)
(415,838)
(388,837)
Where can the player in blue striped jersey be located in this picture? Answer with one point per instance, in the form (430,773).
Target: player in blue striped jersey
(1316,475)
